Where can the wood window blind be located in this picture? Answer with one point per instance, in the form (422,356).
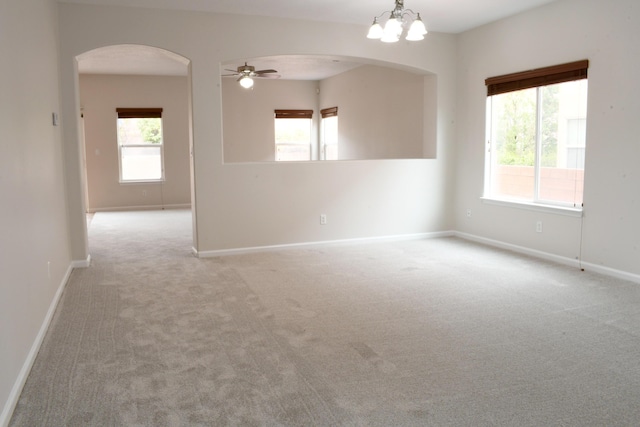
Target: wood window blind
(139,113)
(537,77)
(329,112)
(293,114)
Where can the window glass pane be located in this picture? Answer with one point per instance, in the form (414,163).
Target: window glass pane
(292,152)
(293,139)
(563,128)
(139,131)
(330,137)
(141,163)
(513,125)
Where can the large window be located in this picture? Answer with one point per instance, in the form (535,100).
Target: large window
(329,133)
(536,127)
(140,146)
(293,134)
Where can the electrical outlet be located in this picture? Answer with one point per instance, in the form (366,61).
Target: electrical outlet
(539,227)
(323,219)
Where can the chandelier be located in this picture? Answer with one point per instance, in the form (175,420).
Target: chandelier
(399,18)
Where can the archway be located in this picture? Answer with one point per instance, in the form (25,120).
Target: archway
(135,76)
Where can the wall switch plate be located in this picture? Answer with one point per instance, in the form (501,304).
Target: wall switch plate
(54,119)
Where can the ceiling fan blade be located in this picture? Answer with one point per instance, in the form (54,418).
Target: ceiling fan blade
(229,75)
(268,76)
(265,71)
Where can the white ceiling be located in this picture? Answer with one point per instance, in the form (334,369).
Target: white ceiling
(448,16)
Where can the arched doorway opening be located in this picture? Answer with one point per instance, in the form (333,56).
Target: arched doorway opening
(139,79)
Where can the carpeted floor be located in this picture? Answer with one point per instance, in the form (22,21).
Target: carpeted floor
(438,332)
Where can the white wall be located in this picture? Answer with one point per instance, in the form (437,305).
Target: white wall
(608,35)
(246,205)
(34,247)
(381,113)
(100,95)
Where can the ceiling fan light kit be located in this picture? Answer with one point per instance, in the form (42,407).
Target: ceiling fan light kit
(399,18)
(246,82)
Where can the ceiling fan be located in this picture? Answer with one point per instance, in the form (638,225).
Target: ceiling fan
(246,74)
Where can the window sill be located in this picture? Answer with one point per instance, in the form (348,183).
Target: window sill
(538,207)
(142,181)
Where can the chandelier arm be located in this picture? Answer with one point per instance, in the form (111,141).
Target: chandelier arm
(413,14)
(382,14)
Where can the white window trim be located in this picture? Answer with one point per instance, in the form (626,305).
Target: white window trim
(142,181)
(537,207)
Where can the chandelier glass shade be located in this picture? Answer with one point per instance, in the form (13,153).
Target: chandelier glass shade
(399,19)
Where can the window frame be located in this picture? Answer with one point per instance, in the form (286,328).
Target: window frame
(536,78)
(140,113)
(327,113)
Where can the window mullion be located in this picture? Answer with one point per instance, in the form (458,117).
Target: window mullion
(538,157)
(489,151)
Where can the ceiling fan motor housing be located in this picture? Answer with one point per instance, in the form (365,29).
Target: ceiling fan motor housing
(246,69)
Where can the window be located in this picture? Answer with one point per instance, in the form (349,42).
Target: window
(329,133)
(293,134)
(140,146)
(536,127)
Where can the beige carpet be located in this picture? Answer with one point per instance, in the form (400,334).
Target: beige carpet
(435,332)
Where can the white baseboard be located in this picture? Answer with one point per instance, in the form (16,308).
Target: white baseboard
(551,257)
(247,250)
(520,249)
(140,208)
(611,272)
(14,395)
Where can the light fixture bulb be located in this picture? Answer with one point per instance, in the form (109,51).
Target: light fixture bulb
(412,37)
(392,31)
(246,82)
(393,27)
(417,27)
(376,31)
(389,38)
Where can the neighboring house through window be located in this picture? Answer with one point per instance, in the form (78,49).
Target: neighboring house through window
(140,144)
(536,127)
